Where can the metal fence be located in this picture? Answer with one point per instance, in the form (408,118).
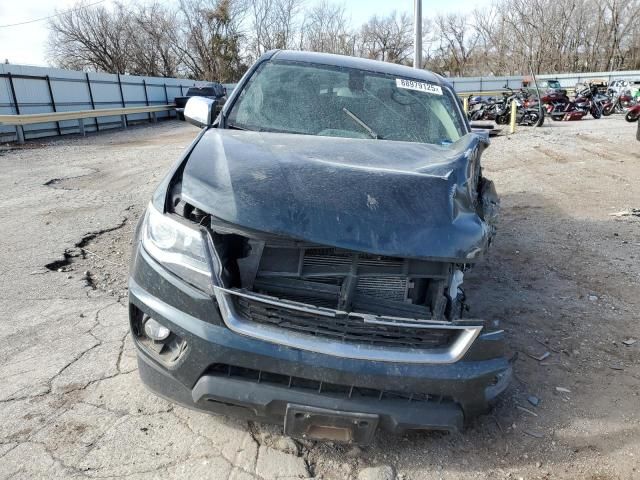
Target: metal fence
(567,80)
(26,89)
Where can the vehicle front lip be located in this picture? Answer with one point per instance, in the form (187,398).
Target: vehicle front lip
(194,315)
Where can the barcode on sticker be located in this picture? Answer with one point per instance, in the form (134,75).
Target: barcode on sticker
(419,86)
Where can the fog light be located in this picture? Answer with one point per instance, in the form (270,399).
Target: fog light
(155,331)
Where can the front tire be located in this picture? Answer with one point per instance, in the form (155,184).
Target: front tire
(632,116)
(608,110)
(502,119)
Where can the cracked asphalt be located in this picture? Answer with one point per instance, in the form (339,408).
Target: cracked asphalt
(563,278)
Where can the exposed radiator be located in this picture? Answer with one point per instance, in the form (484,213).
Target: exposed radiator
(351,281)
(390,288)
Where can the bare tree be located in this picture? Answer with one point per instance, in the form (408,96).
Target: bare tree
(327,29)
(388,38)
(458,41)
(428,40)
(274,24)
(201,39)
(153,51)
(215,39)
(91,38)
(493,42)
(209,41)
(622,16)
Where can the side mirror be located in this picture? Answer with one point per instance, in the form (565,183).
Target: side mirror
(200,111)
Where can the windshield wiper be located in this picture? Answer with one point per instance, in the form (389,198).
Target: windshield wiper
(361,123)
(231,126)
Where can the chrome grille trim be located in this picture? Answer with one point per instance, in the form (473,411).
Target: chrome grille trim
(237,323)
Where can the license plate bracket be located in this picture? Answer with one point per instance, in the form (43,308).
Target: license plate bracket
(313,423)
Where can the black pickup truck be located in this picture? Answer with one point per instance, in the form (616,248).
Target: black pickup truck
(303,263)
(215,91)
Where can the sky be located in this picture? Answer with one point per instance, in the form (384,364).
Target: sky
(26,44)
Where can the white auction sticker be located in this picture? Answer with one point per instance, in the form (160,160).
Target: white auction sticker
(419,86)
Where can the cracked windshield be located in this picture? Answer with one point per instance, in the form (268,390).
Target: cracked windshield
(346,102)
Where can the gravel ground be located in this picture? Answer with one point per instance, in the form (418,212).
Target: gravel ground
(563,278)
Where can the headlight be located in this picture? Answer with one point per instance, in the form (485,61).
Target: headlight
(178,247)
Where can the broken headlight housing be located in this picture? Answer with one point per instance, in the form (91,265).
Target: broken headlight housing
(178,247)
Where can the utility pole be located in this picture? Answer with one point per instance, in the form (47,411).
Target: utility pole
(417,30)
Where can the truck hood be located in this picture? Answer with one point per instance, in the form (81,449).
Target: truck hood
(389,198)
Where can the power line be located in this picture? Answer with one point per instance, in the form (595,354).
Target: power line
(52,16)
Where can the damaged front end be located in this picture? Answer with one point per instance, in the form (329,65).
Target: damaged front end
(303,264)
(342,303)
(334,310)
(290,270)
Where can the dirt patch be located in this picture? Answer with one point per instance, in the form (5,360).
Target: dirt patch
(553,155)
(16,147)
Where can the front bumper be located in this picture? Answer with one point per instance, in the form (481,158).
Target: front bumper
(228,373)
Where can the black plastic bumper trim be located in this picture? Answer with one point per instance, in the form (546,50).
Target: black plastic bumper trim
(268,403)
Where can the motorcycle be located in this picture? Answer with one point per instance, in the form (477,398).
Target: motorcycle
(587,100)
(481,109)
(618,104)
(476,109)
(599,100)
(633,113)
(527,110)
(555,101)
